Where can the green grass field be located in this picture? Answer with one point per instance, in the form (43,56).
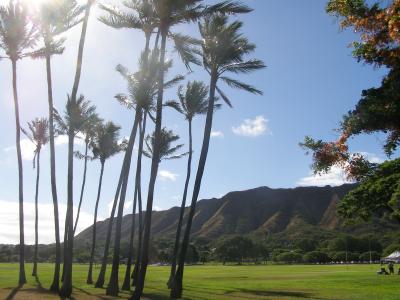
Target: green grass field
(226,282)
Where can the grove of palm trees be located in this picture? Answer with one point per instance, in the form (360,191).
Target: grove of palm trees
(188,58)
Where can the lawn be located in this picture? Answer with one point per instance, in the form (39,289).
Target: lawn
(226,282)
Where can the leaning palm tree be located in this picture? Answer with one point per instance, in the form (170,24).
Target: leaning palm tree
(16,36)
(76,115)
(142,87)
(53,18)
(144,20)
(104,145)
(171,13)
(38,134)
(223,51)
(192,102)
(88,132)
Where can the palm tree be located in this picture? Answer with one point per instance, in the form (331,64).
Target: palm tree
(192,102)
(104,145)
(223,51)
(16,36)
(141,87)
(167,151)
(76,115)
(143,19)
(88,133)
(39,136)
(52,18)
(169,13)
(138,14)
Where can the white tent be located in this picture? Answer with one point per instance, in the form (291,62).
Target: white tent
(395,256)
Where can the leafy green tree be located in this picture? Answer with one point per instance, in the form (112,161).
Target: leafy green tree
(38,134)
(369,256)
(378,110)
(234,249)
(193,101)
(316,257)
(223,51)
(289,257)
(77,114)
(17,35)
(104,145)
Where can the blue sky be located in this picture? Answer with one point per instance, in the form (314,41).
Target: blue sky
(310,81)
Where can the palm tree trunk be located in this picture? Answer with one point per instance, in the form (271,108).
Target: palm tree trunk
(22,277)
(74,93)
(113,288)
(139,192)
(89,279)
(80,50)
(83,185)
(153,175)
(101,277)
(126,284)
(182,211)
(56,278)
(66,288)
(176,290)
(35,255)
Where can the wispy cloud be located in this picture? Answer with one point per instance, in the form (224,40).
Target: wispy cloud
(217,134)
(252,127)
(9,222)
(167,175)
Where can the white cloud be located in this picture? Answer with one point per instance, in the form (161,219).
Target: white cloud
(167,175)
(217,134)
(9,222)
(27,149)
(372,158)
(157,208)
(334,177)
(252,127)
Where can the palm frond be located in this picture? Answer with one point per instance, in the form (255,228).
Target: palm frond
(241,85)
(227,7)
(224,97)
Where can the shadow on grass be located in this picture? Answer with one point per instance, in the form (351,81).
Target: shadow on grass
(273,294)
(13,292)
(90,294)
(154,296)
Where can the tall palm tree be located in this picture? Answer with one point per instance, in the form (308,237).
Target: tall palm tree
(143,19)
(141,87)
(223,51)
(39,135)
(77,114)
(169,13)
(88,133)
(52,18)
(137,199)
(16,36)
(192,102)
(104,145)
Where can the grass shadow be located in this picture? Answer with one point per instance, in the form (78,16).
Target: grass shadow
(90,294)
(13,292)
(273,294)
(155,296)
